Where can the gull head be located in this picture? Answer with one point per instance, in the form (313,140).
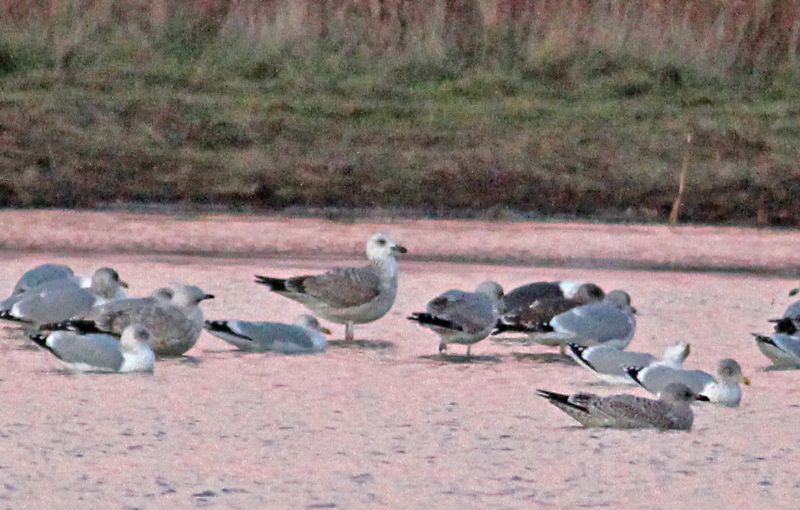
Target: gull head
(677,352)
(491,289)
(188,295)
(589,292)
(677,393)
(133,336)
(106,282)
(306,321)
(621,300)
(381,247)
(729,371)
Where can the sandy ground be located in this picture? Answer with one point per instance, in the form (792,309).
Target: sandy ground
(387,423)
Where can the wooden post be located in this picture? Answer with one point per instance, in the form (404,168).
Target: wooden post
(676,205)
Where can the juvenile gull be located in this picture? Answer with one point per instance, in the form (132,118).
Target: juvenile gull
(536,315)
(782,349)
(347,295)
(524,296)
(40,274)
(610,321)
(305,335)
(174,325)
(460,317)
(58,300)
(723,390)
(101,352)
(608,363)
(671,411)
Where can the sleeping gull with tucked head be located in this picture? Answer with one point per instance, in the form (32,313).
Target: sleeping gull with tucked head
(723,390)
(460,317)
(347,295)
(60,299)
(174,324)
(782,349)
(672,410)
(305,335)
(40,274)
(101,352)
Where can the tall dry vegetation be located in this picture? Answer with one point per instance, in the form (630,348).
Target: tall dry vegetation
(554,106)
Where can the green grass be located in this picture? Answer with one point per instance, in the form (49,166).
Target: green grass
(184,117)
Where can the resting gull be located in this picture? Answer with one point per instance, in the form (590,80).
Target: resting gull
(58,300)
(305,335)
(101,352)
(460,317)
(524,296)
(610,321)
(608,363)
(40,274)
(723,390)
(174,325)
(782,349)
(671,411)
(347,295)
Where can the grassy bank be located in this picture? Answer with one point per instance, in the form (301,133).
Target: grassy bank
(478,106)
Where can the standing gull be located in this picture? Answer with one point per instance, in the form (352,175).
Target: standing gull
(101,352)
(58,300)
(723,390)
(610,321)
(671,411)
(174,325)
(608,363)
(460,317)
(347,295)
(305,335)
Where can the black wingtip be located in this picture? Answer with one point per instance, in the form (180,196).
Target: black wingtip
(6,315)
(763,339)
(785,325)
(427,319)
(40,339)
(577,351)
(559,398)
(702,398)
(633,373)
(77,325)
(275,284)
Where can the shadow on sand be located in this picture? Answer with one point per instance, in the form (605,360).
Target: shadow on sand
(367,345)
(460,358)
(543,357)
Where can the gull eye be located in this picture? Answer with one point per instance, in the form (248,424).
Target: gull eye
(381,242)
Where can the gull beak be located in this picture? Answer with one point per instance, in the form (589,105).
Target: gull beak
(746,381)
(122,284)
(325,330)
(794,291)
(207,296)
(399,249)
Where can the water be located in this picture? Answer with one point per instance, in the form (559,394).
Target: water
(388,422)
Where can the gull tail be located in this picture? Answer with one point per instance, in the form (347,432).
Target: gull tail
(427,319)
(633,373)
(576,351)
(76,325)
(560,399)
(224,328)
(6,315)
(40,339)
(763,339)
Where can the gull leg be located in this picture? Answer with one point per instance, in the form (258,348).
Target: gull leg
(469,348)
(442,347)
(562,350)
(349,333)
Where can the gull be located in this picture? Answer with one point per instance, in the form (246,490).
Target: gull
(524,296)
(608,363)
(671,411)
(535,316)
(62,299)
(723,390)
(174,325)
(101,352)
(347,295)
(40,274)
(461,317)
(304,335)
(782,349)
(610,321)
